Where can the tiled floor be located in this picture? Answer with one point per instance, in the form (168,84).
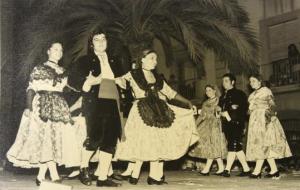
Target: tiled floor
(176,180)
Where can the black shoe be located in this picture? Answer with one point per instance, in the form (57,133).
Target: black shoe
(94,177)
(37,182)
(133,180)
(107,183)
(123,177)
(253,176)
(85,177)
(275,175)
(244,174)
(225,173)
(204,174)
(118,177)
(163,178)
(152,181)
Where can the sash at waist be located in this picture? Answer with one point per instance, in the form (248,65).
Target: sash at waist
(49,92)
(108,90)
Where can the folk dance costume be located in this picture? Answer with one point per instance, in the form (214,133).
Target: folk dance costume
(212,143)
(234,102)
(78,131)
(155,131)
(266,138)
(101,109)
(43,133)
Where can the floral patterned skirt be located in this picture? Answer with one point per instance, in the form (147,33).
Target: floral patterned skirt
(73,137)
(265,141)
(149,143)
(212,143)
(40,140)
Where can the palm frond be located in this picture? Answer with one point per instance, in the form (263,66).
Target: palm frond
(220,25)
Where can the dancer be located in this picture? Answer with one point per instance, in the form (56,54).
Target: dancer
(266,139)
(155,131)
(233,114)
(94,74)
(78,132)
(212,143)
(40,141)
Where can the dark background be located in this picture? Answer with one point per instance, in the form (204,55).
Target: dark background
(13,78)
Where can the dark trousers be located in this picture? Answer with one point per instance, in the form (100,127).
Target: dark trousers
(103,124)
(233,135)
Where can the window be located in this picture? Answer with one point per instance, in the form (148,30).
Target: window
(277,7)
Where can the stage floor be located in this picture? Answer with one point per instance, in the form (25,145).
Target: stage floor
(176,180)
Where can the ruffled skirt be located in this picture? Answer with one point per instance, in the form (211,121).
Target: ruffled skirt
(212,143)
(266,141)
(149,143)
(73,139)
(48,138)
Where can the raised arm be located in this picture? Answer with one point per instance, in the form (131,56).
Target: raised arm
(172,94)
(121,81)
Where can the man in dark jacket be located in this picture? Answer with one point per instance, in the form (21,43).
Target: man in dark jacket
(94,75)
(234,105)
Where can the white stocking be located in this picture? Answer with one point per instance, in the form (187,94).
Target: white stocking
(207,166)
(129,169)
(220,165)
(258,166)
(273,165)
(230,160)
(53,170)
(42,172)
(104,165)
(156,170)
(137,169)
(242,158)
(85,158)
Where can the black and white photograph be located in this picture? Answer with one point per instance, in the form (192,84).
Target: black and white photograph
(150,94)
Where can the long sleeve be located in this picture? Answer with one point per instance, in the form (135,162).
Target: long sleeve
(238,108)
(35,76)
(71,95)
(123,81)
(29,98)
(168,91)
(271,111)
(78,73)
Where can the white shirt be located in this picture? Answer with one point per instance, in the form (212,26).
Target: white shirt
(106,71)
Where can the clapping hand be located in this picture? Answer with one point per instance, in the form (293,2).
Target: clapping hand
(92,80)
